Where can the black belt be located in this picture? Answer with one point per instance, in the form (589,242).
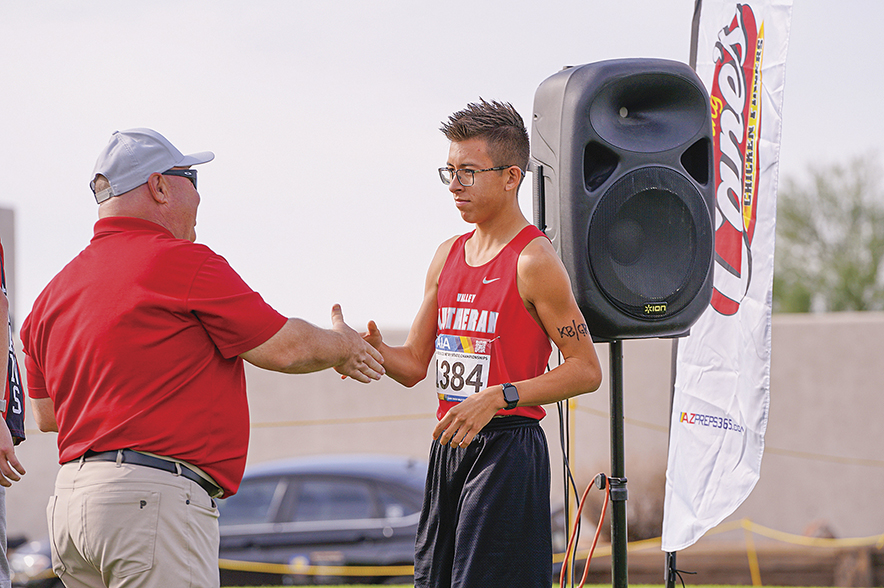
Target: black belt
(135,458)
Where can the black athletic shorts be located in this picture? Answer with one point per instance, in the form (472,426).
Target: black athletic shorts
(486,520)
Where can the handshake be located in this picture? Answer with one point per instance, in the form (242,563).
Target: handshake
(363,362)
(300,347)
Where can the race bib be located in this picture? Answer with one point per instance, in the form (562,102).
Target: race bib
(462,365)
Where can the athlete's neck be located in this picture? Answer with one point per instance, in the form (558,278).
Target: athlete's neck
(491,237)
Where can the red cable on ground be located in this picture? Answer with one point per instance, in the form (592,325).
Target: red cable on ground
(595,539)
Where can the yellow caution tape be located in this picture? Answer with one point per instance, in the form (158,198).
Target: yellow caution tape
(748,526)
(308,570)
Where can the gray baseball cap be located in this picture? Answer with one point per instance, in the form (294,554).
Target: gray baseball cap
(130,158)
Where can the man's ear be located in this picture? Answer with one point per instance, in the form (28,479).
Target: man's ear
(158,187)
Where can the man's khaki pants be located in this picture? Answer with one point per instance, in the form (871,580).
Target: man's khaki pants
(130,526)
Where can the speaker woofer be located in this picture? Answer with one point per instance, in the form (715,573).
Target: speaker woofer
(645,239)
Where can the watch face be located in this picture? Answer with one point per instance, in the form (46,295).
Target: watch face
(511,395)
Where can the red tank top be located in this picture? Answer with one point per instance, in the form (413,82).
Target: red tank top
(485,335)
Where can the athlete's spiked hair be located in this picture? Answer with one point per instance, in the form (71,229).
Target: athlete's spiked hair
(496,122)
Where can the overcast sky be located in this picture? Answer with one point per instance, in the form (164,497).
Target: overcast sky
(324,119)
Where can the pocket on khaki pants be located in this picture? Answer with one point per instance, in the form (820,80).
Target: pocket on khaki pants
(120,529)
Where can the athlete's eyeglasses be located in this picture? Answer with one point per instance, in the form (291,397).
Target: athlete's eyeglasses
(190,174)
(466,177)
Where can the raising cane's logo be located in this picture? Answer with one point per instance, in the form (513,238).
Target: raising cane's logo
(736,121)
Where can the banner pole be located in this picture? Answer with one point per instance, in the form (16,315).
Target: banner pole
(670,571)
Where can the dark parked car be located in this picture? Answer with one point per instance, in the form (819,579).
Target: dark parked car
(319,511)
(31,566)
(322,511)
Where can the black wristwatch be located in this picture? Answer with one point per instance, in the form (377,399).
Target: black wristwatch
(511,395)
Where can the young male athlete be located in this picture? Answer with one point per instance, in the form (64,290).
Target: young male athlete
(493,300)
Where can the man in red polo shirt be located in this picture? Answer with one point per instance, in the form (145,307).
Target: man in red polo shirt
(134,354)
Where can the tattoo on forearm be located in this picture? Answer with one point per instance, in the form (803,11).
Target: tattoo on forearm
(574,330)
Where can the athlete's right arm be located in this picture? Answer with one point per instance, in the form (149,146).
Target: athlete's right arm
(407,364)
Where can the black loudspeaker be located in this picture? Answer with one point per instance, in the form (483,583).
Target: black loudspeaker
(623,186)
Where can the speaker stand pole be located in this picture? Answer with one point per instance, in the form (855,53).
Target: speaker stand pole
(617,479)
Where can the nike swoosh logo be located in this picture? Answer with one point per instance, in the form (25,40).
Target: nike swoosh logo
(487,281)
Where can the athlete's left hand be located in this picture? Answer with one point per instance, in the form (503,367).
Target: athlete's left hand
(462,422)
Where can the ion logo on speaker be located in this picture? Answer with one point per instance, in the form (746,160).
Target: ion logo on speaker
(624,154)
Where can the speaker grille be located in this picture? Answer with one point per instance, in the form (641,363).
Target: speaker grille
(645,241)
